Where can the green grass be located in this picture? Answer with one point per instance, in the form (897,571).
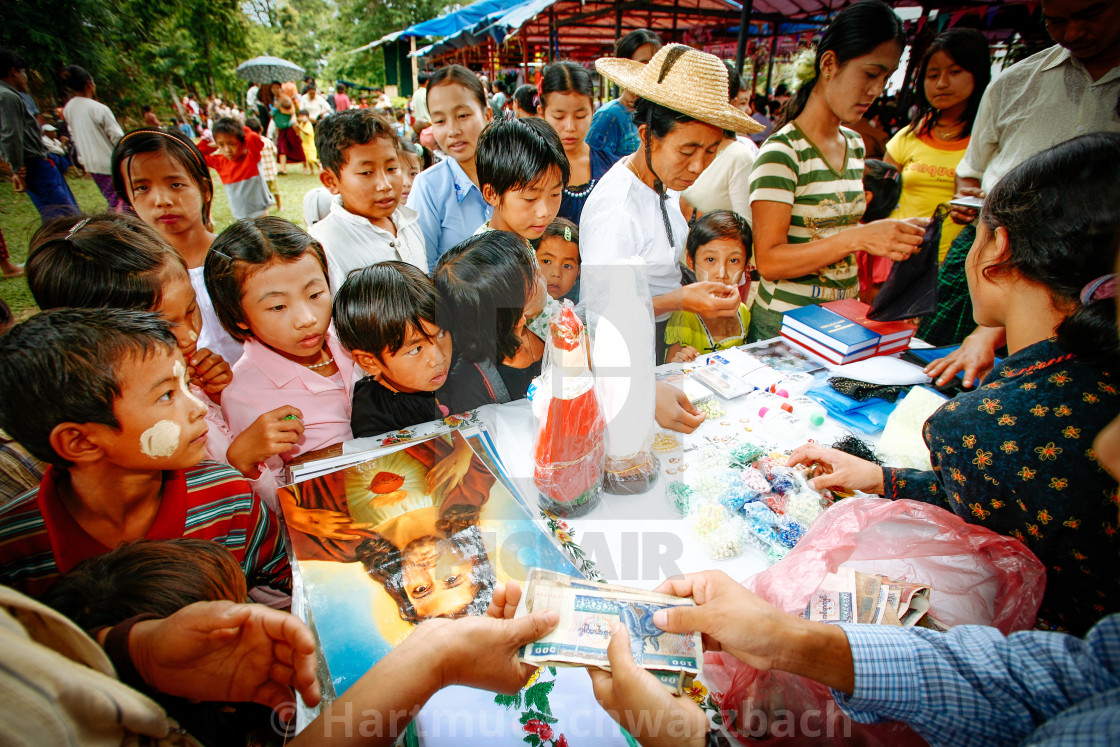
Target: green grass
(19,220)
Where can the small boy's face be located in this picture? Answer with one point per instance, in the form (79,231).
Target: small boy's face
(559,261)
(179,307)
(162,425)
(411,164)
(370,181)
(420,365)
(721,260)
(303,117)
(230,146)
(528,211)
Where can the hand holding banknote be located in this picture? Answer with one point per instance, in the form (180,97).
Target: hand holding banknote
(641,704)
(732,618)
(482,651)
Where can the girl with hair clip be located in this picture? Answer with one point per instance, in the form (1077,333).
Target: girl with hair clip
(1015,455)
(635,209)
(448,196)
(163,177)
(93,128)
(807,183)
(566,104)
(953,75)
(525,100)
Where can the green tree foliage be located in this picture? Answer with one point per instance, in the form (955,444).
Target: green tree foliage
(134,49)
(363,21)
(139,52)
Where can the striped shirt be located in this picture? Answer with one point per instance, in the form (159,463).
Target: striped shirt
(790,169)
(40,540)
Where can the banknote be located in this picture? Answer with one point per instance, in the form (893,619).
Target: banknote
(851,596)
(590,611)
(836,600)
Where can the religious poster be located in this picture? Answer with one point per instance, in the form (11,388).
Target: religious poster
(421,530)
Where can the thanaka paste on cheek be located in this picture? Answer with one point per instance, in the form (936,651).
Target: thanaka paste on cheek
(736,279)
(194,337)
(180,372)
(161,440)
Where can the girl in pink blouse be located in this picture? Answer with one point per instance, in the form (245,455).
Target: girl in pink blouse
(268,281)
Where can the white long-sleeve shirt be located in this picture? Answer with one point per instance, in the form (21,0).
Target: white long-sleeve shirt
(95,133)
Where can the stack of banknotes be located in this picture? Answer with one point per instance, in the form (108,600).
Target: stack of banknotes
(588,613)
(851,596)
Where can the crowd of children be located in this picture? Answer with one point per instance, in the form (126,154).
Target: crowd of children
(172,372)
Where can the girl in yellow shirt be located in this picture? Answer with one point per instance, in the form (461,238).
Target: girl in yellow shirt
(954,72)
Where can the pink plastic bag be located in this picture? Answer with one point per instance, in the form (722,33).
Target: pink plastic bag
(977,577)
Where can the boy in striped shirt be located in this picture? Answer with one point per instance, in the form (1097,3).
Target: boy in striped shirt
(102,396)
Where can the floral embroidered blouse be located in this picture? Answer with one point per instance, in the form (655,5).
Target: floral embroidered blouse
(1016,456)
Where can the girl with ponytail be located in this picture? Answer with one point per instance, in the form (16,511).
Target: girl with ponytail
(806,190)
(1015,455)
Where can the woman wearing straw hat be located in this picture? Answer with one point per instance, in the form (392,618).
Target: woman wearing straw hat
(807,183)
(681,113)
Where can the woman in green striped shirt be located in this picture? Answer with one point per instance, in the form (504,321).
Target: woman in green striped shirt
(807,183)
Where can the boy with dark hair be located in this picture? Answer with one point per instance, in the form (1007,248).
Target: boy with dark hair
(21,145)
(126,451)
(522,170)
(367,223)
(236,156)
(385,315)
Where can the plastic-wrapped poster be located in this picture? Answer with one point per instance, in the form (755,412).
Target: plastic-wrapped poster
(421,530)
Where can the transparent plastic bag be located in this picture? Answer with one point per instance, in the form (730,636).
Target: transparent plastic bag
(568,448)
(619,312)
(977,577)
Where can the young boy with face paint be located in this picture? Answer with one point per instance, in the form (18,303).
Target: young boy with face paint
(104,399)
(115,260)
(718,248)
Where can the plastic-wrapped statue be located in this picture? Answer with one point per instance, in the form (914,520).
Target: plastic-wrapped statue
(569,444)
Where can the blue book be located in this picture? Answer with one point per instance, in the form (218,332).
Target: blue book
(830,329)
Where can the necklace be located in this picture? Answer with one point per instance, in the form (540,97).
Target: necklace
(327,362)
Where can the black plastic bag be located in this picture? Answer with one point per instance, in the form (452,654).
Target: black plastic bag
(911,288)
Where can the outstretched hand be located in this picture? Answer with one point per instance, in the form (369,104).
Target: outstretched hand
(221,651)
(481,651)
(643,706)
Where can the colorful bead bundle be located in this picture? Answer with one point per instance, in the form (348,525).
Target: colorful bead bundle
(711,408)
(681,497)
(746,494)
(745,453)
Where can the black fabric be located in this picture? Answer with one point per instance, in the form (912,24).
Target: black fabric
(861,391)
(379,410)
(911,288)
(467,387)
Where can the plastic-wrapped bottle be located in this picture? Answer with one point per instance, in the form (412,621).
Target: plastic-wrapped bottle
(793,384)
(808,408)
(782,424)
(569,446)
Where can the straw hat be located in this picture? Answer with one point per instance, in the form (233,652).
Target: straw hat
(285,104)
(685,80)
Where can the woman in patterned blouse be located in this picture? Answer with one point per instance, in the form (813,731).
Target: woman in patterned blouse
(1016,455)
